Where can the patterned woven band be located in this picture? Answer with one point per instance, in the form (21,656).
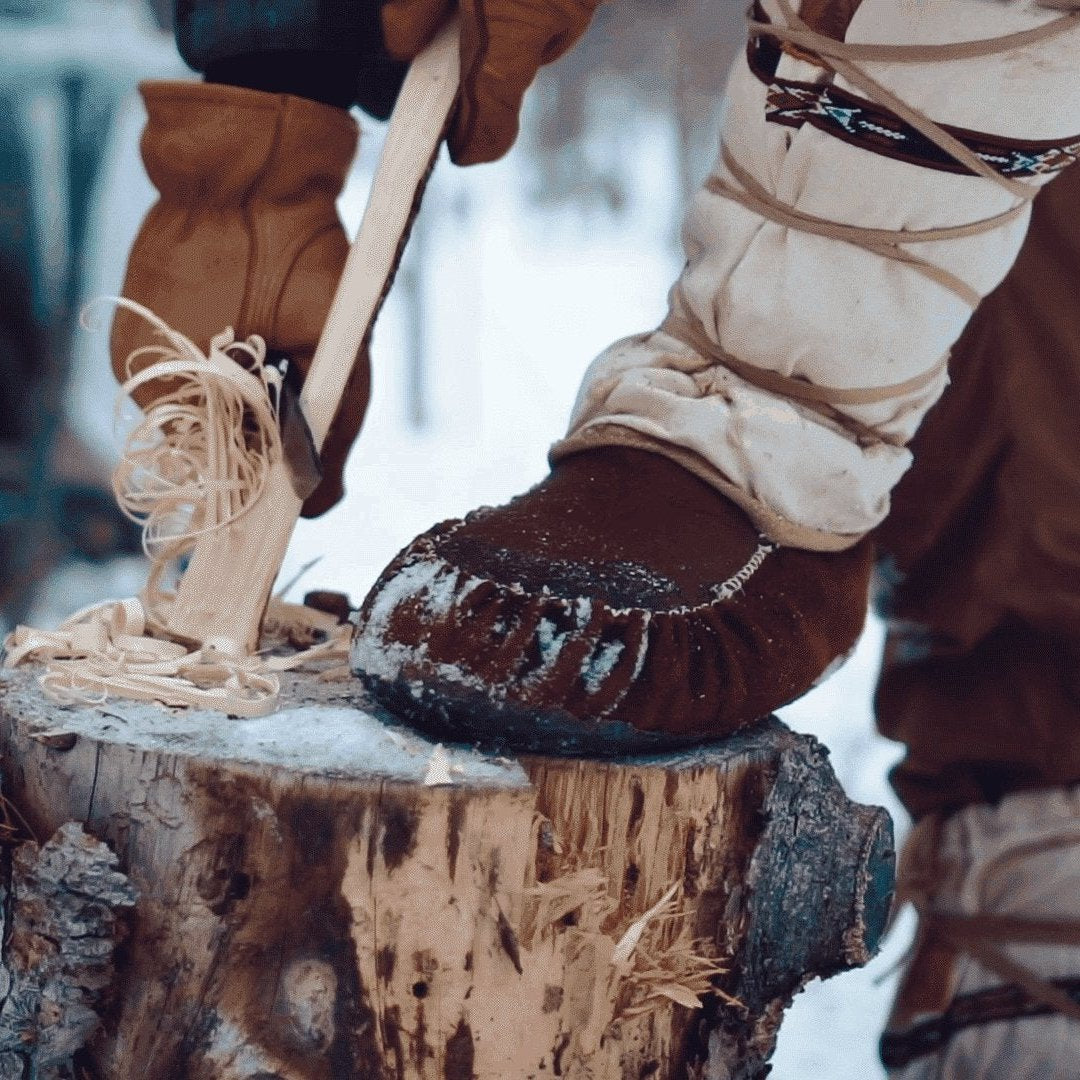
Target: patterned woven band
(744,188)
(872,127)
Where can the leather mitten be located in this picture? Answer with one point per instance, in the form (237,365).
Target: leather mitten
(245,234)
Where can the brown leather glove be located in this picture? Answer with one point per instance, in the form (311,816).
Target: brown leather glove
(245,234)
(503,45)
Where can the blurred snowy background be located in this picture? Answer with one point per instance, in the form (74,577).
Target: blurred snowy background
(517,275)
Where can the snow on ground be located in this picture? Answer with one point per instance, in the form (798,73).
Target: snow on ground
(517,300)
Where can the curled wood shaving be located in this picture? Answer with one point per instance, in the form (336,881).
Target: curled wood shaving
(107,651)
(197,461)
(200,456)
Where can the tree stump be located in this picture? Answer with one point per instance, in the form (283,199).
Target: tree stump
(324,895)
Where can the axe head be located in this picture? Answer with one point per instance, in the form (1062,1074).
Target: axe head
(297,443)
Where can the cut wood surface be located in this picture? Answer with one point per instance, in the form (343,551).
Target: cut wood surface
(323,895)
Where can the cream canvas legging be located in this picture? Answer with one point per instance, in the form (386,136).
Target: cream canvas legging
(825,282)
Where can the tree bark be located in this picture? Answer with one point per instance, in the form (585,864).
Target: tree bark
(60,928)
(326,896)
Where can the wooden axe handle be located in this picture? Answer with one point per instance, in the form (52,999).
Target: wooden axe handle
(223,593)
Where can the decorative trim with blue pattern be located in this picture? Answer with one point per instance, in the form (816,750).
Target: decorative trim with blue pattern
(861,122)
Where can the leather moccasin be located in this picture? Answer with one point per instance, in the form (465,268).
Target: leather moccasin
(621,605)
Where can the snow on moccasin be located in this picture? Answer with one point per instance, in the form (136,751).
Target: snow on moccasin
(621,605)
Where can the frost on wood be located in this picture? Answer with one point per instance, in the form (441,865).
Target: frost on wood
(324,895)
(58,952)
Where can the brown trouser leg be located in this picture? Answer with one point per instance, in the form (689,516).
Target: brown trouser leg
(982,668)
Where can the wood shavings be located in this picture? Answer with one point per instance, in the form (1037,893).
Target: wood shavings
(200,456)
(629,941)
(107,651)
(671,967)
(197,461)
(545,905)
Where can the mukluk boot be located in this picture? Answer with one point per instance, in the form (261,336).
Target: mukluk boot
(992,986)
(698,555)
